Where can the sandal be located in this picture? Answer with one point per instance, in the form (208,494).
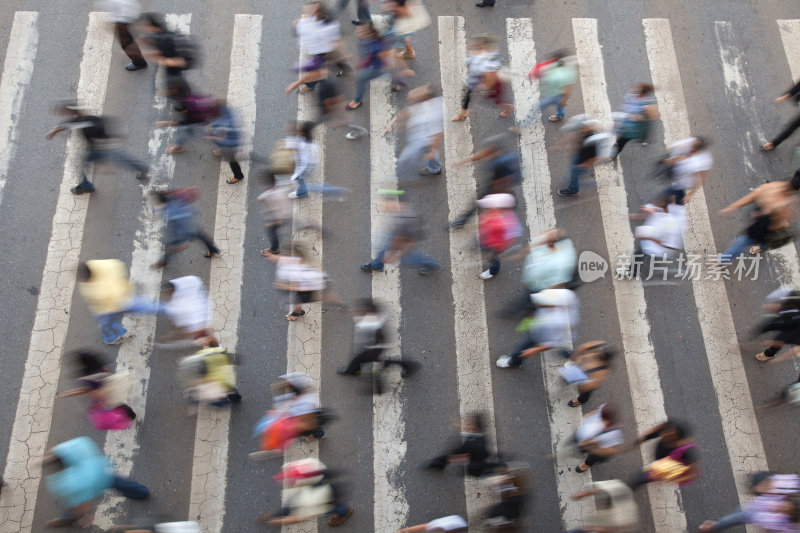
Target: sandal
(554,118)
(573,403)
(294,316)
(175,149)
(304,89)
(405,55)
(398,87)
(232,180)
(268,252)
(458,117)
(209,255)
(763,357)
(217,153)
(755,250)
(578,469)
(767,147)
(351,107)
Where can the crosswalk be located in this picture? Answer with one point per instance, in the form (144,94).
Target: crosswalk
(394,485)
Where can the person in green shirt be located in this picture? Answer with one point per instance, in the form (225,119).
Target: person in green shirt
(556,78)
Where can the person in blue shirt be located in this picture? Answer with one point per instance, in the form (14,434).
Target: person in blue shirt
(176,205)
(77,474)
(226,134)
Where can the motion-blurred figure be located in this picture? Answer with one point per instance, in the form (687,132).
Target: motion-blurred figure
(449,524)
(77,474)
(791,94)
(552,325)
(687,166)
(110,294)
(369,340)
(550,263)
(789,395)
(782,320)
(659,238)
(209,378)
(102,145)
(160,525)
(108,391)
(615,509)
(585,141)
(513,485)
(483,65)
(776,506)
(276,210)
(375,60)
(300,282)
(556,77)
(181,222)
(225,133)
(402,235)
(472,448)
(600,436)
(498,229)
(593,360)
(309,491)
(172,50)
(362,11)
(676,459)
(422,120)
(639,112)
(193,112)
(123,14)
(408,17)
(190,310)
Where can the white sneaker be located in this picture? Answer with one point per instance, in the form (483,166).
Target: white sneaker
(504,361)
(293,195)
(486,275)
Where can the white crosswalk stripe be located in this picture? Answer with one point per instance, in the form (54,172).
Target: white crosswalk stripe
(392,426)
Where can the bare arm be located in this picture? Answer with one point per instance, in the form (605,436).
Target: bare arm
(741,202)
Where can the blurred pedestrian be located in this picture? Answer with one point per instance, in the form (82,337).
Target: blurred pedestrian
(110,294)
(615,509)
(160,525)
(687,165)
(775,507)
(498,229)
(306,157)
(402,236)
(472,448)
(659,238)
(102,145)
(552,325)
(600,436)
(640,112)
(593,359)
(375,60)
(123,14)
(557,77)
(108,391)
(773,217)
(332,108)
(793,94)
(362,11)
(451,524)
(190,310)
(370,340)
(407,18)
(422,120)
(209,378)
(781,320)
(309,491)
(789,395)
(172,50)
(585,149)
(676,458)
(550,262)
(225,132)
(513,485)
(195,111)
(77,474)
(299,281)
(180,218)
(483,65)
(276,210)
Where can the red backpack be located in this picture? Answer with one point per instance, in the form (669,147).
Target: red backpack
(498,229)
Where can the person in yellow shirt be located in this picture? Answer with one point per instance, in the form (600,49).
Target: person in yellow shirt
(109,293)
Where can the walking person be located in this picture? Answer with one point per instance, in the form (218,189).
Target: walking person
(77,474)
(585,156)
(498,229)
(794,94)
(557,77)
(600,436)
(660,237)
(226,134)
(301,283)
(483,65)
(472,448)
(193,112)
(641,111)
(172,50)
(782,320)
(123,14)
(370,339)
(306,157)
(403,233)
(276,210)
(375,60)
(102,145)
(362,11)
(687,164)
(615,508)
(110,294)
(423,121)
(593,359)
(407,18)
(181,223)
(676,459)
(190,310)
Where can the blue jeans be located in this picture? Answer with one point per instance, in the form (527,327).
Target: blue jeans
(109,323)
(671,191)
(185,132)
(554,100)
(410,258)
(575,175)
(130,488)
(363,78)
(740,245)
(415,150)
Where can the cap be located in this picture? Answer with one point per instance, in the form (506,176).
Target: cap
(497,201)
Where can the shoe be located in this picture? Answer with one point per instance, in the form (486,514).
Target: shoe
(426,172)
(433,465)
(504,362)
(357,22)
(342,371)
(115,341)
(57,522)
(294,195)
(353,135)
(141,176)
(566,192)
(457,223)
(486,275)
(81,190)
(130,67)
(484,4)
(339,520)
(573,403)
(369,268)
(578,469)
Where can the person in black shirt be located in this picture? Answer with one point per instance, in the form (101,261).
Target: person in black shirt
(794,94)
(584,159)
(472,449)
(675,443)
(102,146)
(172,51)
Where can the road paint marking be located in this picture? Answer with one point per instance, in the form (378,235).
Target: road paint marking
(473,361)
(643,376)
(390,508)
(210,463)
(737,415)
(540,216)
(304,338)
(43,366)
(122,447)
(17,71)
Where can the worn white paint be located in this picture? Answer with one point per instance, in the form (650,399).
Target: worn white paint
(735,404)
(210,463)
(17,71)
(540,216)
(43,366)
(642,369)
(134,354)
(390,508)
(473,361)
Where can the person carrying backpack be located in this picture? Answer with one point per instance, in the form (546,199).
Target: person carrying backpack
(174,51)
(498,228)
(196,111)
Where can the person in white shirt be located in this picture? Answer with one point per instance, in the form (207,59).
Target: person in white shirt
(599,436)
(452,523)
(660,237)
(123,13)
(689,162)
(423,120)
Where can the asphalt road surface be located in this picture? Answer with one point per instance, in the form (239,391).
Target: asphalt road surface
(687,348)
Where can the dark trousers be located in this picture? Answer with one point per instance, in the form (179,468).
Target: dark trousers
(619,145)
(272,233)
(373,355)
(593,459)
(130,488)
(516,355)
(787,130)
(465,98)
(584,397)
(494,264)
(129,45)
(199,234)
(362,9)
(228,153)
